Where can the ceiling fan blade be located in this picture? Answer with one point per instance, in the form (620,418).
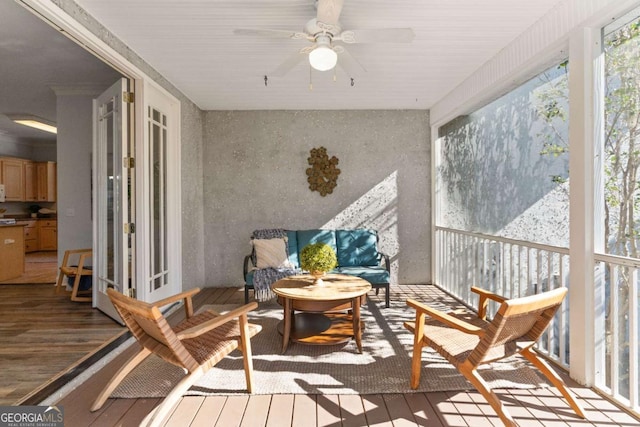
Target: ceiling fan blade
(266,32)
(382,35)
(348,63)
(329,11)
(288,64)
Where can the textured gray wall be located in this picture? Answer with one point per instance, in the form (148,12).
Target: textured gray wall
(74,143)
(191,149)
(193,265)
(246,170)
(254,177)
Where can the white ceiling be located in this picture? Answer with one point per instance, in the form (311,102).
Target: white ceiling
(192,44)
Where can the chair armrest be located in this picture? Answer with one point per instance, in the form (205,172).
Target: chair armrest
(186,296)
(387,265)
(83,256)
(485,296)
(65,259)
(449,320)
(245,268)
(214,323)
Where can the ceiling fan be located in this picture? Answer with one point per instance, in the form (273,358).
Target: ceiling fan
(325,31)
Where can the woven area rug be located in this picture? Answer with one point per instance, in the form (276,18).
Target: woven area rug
(383,367)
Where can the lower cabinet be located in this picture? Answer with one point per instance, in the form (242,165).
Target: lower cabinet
(31,235)
(40,235)
(48,235)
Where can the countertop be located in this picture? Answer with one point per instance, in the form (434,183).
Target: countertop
(26,217)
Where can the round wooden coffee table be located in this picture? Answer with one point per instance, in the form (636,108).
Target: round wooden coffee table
(329,314)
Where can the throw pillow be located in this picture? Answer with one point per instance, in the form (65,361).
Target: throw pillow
(270,253)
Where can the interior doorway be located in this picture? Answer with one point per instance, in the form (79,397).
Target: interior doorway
(48,75)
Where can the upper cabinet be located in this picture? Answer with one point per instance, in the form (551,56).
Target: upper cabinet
(46,181)
(28,181)
(13,179)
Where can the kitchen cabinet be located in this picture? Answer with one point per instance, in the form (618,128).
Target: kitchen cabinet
(46,181)
(47,234)
(31,243)
(11,252)
(30,181)
(12,177)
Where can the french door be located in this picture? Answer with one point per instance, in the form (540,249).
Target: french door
(159,199)
(113,245)
(137,239)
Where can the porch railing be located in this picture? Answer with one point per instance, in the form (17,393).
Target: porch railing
(512,268)
(617,358)
(516,268)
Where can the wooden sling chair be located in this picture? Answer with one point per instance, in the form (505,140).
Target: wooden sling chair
(81,258)
(469,343)
(196,344)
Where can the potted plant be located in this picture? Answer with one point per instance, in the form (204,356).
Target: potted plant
(317,259)
(34,210)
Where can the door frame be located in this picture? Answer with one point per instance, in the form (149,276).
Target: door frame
(59,19)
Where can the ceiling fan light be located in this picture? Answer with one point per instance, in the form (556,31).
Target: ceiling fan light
(323,58)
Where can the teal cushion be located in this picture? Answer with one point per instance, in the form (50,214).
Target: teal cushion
(357,247)
(373,275)
(306,237)
(249,279)
(293,248)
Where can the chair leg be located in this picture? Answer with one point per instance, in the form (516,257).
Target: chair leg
(246,294)
(157,416)
(553,377)
(60,280)
(386,296)
(474,378)
(245,344)
(74,291)
(418,343)
(134,361)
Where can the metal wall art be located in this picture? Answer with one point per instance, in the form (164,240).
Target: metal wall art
(322,176)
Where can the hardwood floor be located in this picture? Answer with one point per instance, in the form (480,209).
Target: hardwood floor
(45,336)
(538,407)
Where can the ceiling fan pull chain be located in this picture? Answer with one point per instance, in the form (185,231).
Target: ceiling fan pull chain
(310,80)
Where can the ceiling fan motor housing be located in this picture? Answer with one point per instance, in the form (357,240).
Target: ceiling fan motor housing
(317,28)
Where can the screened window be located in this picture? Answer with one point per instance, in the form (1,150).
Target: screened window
(504,167)
(622,147)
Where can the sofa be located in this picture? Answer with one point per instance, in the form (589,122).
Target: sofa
(357,252)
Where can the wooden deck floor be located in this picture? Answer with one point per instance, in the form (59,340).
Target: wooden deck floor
(540,407)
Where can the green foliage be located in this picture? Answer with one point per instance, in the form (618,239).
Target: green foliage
(553,149)
(558,179)
(622,136)
(318,257)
